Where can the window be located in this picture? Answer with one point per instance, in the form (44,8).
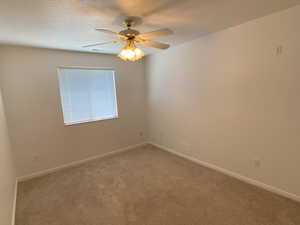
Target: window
(87,94)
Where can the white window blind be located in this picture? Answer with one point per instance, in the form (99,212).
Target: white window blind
(87,94)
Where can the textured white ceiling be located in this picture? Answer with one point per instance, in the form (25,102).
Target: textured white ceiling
(69,24)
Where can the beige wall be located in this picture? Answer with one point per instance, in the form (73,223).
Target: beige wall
(39,138)
(229,99)
(7,172)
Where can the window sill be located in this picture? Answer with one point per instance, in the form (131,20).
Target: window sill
(90,121)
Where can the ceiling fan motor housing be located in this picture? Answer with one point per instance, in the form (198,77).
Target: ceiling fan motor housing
(129,33)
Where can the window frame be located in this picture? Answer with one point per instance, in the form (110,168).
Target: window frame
(88,68)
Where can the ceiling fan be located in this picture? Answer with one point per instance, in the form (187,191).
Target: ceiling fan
(132,37)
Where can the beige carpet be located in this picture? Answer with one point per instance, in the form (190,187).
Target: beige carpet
(147,186)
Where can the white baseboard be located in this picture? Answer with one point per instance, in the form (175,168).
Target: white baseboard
(232,174)
(78,162)
(14,204)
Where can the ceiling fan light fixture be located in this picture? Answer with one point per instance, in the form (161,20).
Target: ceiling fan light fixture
(131,52)
(130,36)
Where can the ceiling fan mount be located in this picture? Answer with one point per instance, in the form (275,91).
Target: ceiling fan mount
(129,22)
(131,37)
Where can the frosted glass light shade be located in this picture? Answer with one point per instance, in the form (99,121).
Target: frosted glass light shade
(131,52)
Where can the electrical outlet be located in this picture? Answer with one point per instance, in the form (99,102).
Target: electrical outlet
(35,158)
(279,50)
(257,163)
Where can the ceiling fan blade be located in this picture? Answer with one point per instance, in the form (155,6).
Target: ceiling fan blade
(111,33)
(156,33)
(154,44)
(101,43)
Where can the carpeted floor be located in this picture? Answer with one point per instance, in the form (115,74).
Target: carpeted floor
(147,186)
